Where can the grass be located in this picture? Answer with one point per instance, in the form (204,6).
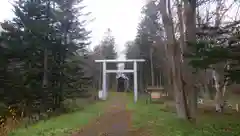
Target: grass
(62,125)
(155,119)
(158,122)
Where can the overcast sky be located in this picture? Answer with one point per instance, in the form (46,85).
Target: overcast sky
(121,16)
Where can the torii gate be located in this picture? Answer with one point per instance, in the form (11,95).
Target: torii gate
(134,71)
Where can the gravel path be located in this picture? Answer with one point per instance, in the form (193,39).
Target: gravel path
(116,121)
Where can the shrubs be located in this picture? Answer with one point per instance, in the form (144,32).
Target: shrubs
(71,105)
(10,120)
(9,125)
(160,120)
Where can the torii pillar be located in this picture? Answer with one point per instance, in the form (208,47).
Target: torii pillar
(134,71)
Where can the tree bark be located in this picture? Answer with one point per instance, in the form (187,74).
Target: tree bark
(219,86)
(173,53)
(207,93)
(45,78)
(220,96)
(190,26)
(152,70)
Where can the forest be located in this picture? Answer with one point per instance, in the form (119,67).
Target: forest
(48,70)
(191,49)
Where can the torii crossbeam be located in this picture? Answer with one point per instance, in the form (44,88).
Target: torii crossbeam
(134,71)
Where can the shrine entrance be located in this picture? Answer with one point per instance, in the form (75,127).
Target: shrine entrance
(122,83)
(105,71)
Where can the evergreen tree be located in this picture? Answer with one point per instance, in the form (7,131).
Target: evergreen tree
(146,41)
(42,53)
(106,50)
(212,50)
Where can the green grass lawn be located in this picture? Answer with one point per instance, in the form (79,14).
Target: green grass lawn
(157,122)
(148,117)
(62,125)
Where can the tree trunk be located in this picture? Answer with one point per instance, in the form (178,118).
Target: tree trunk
(204,79)
(141,86)
(45,78)
(219,101)
(173,51)
(219,93)
(167,76)
(169,81)
(190,25)
(152,70)
(207,93)
(100,78)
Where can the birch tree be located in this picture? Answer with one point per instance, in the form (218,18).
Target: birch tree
(215,32)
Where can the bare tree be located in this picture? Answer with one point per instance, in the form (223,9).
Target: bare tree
(173,53)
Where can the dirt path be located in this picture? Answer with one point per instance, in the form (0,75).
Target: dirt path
(116,121)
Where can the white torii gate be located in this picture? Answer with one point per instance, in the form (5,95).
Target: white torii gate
(105,71)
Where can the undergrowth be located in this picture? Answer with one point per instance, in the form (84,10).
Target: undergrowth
(159,121)
(61,125)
